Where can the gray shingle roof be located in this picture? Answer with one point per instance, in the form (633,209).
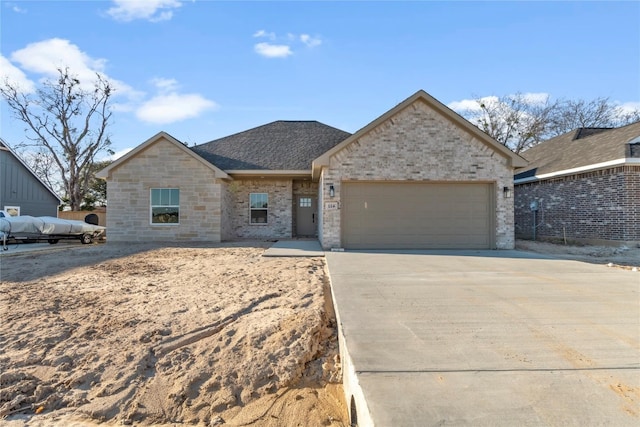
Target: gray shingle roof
(280,145)
(580,147)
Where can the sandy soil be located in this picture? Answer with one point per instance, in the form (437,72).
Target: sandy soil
(613,256)
(209,335)
(147,335)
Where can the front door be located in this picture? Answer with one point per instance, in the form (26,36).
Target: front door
(306,216)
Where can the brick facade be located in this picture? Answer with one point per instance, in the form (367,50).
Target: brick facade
(163,165)
(418,144)
(279,221)
(417,141)
(592,206)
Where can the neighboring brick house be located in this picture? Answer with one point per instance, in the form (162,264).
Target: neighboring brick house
(21,191)
(585,186)
(419,176)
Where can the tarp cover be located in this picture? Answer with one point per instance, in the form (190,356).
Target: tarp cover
(48,225)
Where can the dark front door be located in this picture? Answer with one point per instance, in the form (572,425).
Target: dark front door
(306,216)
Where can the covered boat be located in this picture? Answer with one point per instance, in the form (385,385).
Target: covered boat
(46,228)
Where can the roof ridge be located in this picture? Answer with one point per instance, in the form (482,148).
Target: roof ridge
(297,121)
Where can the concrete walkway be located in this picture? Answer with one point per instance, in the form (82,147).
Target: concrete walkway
(295,248)
(489,338)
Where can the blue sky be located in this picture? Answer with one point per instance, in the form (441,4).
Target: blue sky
(201,70)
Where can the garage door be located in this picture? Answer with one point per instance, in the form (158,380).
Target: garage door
(417,216)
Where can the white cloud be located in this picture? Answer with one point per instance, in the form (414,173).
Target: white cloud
(264,34)
(118,154)
(45,57)
(17,9)
(151,10)
(473,106)
(628,107)
(310,41)
(15,76)
(273,50)
(464,105)
(165,85)
(535,98)
(173,107)
(286,43)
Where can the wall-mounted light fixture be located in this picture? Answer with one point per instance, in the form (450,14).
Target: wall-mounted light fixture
(507,192)
(332,191)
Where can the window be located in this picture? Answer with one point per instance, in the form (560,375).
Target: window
(12,210)
(165,206)
(305,202)
(258,203)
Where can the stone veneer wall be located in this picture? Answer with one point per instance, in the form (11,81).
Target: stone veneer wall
(598,205)
(163,165)
(279,218)
(419,144)
(226,209)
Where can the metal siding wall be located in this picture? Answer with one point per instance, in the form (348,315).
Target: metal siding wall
(20,188)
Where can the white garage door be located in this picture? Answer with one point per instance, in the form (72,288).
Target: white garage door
(417,215)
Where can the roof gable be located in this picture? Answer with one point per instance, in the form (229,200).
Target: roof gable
(582,148)
(280,145)
(452,116)
(5,146)
(106,172)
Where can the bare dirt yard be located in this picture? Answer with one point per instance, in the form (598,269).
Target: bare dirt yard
(186,335)
(627,257)
(148,335)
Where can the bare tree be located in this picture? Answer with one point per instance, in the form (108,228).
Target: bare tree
(514,120)
(600,112)
(520,121)
(68,123)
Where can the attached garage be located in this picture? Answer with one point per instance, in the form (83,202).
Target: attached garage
(411,215)
(417,177)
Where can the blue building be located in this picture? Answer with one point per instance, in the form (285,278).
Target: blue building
(21,191)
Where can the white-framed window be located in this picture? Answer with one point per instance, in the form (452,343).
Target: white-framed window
(258,208)
(165,206)
(305,202)
(12,210)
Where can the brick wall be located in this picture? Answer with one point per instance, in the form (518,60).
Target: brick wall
(163,165)
(418,144)
(279,221)
(598,205)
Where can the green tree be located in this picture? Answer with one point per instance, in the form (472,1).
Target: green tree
(96,195)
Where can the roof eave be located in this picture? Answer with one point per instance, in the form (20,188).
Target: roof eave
(106,172)
(277,173)
(581,169)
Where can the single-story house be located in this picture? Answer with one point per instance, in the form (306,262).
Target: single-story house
(21,191)
(583,185)
(418,176)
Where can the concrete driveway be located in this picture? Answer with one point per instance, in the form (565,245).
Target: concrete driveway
(487,338)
